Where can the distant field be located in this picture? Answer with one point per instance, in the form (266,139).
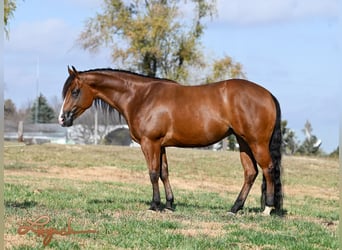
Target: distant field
(107,189)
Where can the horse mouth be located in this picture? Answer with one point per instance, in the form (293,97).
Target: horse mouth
(67,123)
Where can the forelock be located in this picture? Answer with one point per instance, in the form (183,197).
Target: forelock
(67,84)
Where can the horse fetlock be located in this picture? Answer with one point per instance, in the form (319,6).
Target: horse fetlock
(270,200)
(155,206)
(236,208)
(169,204)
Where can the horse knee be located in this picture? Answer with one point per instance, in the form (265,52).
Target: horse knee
(154,176)
(251,175)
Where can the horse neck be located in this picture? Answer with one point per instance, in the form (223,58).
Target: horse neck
(114,90)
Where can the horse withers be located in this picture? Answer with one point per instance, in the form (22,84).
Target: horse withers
(162,113)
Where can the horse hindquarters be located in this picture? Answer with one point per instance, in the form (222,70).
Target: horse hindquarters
(255,119)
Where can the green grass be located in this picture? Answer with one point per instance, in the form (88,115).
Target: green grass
(107,189)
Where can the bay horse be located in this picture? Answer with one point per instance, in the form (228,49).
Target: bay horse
(161,113)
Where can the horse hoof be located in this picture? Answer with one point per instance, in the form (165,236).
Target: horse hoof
(154,208)
(267,211)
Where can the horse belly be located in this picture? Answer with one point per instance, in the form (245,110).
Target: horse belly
(193,132)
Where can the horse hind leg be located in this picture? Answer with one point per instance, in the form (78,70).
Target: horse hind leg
(271,199)
(264,160)
(267,191)
(250,173)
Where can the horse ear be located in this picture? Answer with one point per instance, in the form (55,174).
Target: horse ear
(72,71)
(73,68)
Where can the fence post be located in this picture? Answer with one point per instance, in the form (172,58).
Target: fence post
(20,131)
(225,144)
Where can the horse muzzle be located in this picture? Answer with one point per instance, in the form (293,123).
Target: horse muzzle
(66,119)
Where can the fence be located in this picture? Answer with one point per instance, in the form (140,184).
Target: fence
(35,133)
(54,133)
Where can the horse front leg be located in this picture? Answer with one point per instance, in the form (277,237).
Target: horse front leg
(151,152)
(164,175)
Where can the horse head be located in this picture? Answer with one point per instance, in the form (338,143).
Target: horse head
(77,97)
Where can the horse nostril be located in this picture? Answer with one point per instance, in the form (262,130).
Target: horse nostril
(61,119)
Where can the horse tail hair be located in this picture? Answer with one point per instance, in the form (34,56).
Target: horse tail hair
(275,148)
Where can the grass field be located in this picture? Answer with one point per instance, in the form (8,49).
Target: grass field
(107,189)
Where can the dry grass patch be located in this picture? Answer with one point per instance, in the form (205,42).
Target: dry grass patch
(209,229)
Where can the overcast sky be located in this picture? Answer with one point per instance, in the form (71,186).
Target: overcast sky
(288,46)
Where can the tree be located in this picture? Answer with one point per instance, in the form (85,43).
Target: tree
(150,35)
(311,144)
(225,68)
(41,112)
(290,145)
(335,153)
(10,111)
(232,142)
(9,8)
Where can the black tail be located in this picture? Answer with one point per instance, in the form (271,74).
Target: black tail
(275,151)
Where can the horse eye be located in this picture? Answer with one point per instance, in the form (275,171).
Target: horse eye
(75,93)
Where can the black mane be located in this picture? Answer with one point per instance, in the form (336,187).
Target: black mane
(126,72)
(71,77)
(121,71)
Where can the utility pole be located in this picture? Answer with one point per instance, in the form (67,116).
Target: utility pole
(37,93)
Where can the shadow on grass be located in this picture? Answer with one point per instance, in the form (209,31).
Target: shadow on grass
(183,205)
(22,204)
(201,206)
(103,201)
(258,210)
